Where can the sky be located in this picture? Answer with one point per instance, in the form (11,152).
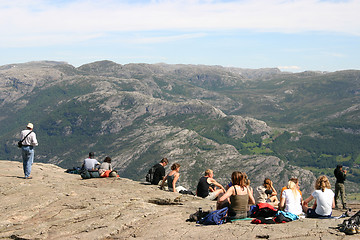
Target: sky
(292,35)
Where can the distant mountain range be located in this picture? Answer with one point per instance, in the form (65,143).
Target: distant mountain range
(262,121)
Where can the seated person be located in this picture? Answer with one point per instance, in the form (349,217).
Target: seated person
(105,166)
(238,196)
(296,181)
(291,199)
(324,199)
(266,193)
(159,173)
(172,179)
(204,188)
(90,163)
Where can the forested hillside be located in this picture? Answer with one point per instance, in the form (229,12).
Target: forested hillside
(262,121)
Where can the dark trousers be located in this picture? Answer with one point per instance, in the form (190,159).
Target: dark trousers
(340,189)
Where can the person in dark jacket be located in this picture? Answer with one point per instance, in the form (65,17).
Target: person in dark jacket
(159,173)
(340,176)
(204,188)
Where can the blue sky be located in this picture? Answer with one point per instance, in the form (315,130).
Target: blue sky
(293,35)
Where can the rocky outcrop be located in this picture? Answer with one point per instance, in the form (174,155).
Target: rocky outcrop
(58,205)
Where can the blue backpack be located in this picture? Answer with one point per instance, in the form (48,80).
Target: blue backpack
(216,217)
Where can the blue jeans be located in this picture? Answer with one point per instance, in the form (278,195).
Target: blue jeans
(28,159)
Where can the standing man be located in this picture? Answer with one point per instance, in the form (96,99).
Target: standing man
(340,176)
(159,172)
(204,188)
(29,140)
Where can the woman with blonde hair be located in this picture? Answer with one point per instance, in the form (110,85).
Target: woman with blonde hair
(238,196)
(291,199)
(324,199)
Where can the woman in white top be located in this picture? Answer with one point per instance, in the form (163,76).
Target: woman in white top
(291,199)
(324,199)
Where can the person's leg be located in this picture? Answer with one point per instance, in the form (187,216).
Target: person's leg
(310,213)
(275,200)
(214,194)
(25,158)
(337,189)
(28,158)
(342,195)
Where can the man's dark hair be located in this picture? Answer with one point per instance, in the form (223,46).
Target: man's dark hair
(91,154)
(165,160)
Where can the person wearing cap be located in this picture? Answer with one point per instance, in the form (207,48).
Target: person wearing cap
(27,149)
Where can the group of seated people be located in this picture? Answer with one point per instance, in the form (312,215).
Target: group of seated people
(104,169)
(239,196)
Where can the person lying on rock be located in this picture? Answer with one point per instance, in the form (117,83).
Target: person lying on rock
(204,188)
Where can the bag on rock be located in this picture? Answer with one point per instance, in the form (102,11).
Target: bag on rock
(85,174)
(216,217)
(150,175)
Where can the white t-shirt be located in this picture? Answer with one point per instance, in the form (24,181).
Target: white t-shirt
(90,163)
(324,201)
(292,203)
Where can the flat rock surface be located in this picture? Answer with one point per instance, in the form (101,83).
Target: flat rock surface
(57,205)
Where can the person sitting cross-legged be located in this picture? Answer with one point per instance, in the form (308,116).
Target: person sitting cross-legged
(238,196)
(204,188)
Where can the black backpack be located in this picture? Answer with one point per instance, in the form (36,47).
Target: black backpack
(150,175)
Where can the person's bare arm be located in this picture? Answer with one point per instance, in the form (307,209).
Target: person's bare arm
(228,193)
(213,181)
(251,196)
(306,201)
(174,181)
(282,202)
(274,193)
(163,182)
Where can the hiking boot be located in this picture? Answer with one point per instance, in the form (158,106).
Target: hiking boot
(350,230)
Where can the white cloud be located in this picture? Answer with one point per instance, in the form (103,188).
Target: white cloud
(162,39)
(290,68)
(35,21)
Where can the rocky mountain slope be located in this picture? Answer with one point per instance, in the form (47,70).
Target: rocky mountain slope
(58,205)
(260,121)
